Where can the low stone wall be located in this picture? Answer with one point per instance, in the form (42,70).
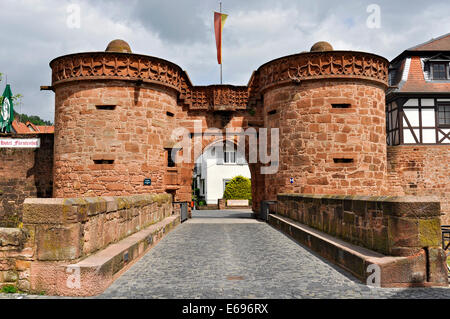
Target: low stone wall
(59,231)
(221,203)
(67,229)
(24,172)
(421,170)
(14,267)
(404,226)
(396,226)
(225,204)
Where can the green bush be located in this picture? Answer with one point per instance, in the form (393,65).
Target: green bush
(201,203)
(239,187)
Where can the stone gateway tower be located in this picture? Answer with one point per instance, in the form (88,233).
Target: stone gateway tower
(116,110)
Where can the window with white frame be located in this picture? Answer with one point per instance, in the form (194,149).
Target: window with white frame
(202,187)
(437,67)
(225,182)
(439,70)
(229,157)
(444,115)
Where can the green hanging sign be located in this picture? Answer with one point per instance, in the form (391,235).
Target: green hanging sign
(6,111)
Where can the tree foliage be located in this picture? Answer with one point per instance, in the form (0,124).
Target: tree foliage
(239,187)
(36,120)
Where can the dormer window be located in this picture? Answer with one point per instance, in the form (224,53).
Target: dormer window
(436,68)
(439,71)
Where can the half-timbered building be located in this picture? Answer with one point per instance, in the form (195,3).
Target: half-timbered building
(418,99)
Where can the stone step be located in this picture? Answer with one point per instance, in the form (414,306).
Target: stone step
(92,275)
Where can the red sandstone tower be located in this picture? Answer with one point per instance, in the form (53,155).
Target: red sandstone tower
(112,121)
(329,106)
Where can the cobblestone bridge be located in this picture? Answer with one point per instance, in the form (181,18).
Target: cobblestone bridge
(227,254)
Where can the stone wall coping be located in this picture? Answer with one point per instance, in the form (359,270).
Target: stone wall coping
(73,210)
(135,200)
(389,199)
(27,135)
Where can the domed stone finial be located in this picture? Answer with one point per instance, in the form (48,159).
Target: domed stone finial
(118,46)
(321,46)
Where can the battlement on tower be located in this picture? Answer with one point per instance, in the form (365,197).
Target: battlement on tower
(117,64)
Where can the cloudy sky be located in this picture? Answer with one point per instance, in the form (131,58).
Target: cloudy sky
(256,31)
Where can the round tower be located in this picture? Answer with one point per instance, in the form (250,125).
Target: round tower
(114,115)
(330,108)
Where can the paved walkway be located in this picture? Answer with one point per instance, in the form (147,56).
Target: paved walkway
(215,255)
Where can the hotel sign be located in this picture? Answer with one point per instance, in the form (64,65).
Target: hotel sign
(20,142)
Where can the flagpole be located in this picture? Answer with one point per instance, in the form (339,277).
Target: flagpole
(220,10)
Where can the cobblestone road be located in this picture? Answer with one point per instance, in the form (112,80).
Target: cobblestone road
(224,257)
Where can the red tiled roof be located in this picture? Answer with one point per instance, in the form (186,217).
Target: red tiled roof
(46,129)
(416,81)
(441,43)
(30,128)
(20,127)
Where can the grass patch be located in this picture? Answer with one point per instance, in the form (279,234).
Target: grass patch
(9,289)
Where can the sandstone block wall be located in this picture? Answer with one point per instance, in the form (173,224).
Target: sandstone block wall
(325,147)
(421,170)
(14,266)
(57,230)
(110,136)
(24,173)
(396,226)
(67,229)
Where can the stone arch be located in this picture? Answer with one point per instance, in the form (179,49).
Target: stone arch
(206,143)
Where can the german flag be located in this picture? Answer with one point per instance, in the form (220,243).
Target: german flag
(219,21)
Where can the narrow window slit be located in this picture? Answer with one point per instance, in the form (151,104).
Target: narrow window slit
(272,112)
(106,107)
(170,159)
(341,106)
(343,160)
(170,114)
(103,161)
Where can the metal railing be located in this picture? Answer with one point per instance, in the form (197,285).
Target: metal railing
(183,210)
(264,209)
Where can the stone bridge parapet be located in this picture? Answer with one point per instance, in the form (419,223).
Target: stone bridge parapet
(399,226)
(62,238)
